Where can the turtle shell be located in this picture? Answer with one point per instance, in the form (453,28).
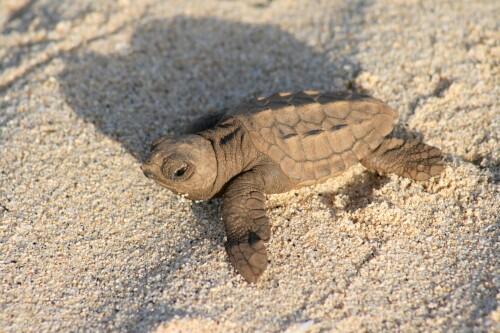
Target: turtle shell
(314,136)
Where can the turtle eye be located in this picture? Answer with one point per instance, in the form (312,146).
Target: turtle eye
(179,172)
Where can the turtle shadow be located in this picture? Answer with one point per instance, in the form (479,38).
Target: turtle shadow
(358,193)
(171,73)
(174,71)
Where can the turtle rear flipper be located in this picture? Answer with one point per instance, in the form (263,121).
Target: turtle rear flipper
(408,158)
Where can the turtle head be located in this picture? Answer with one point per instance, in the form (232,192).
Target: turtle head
(185,165)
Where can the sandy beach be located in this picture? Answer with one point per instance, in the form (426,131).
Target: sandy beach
(87,243)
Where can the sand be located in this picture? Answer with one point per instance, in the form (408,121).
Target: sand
(87,243)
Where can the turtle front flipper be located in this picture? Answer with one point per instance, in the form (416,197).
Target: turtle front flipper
(408,158)
(243,212)
(246,224)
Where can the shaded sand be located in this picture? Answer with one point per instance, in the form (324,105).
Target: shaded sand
(88,243)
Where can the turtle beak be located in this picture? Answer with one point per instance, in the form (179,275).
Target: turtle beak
(151,171)
(147,169)
(147,173)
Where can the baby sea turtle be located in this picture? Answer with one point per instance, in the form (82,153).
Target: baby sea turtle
(276,144)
